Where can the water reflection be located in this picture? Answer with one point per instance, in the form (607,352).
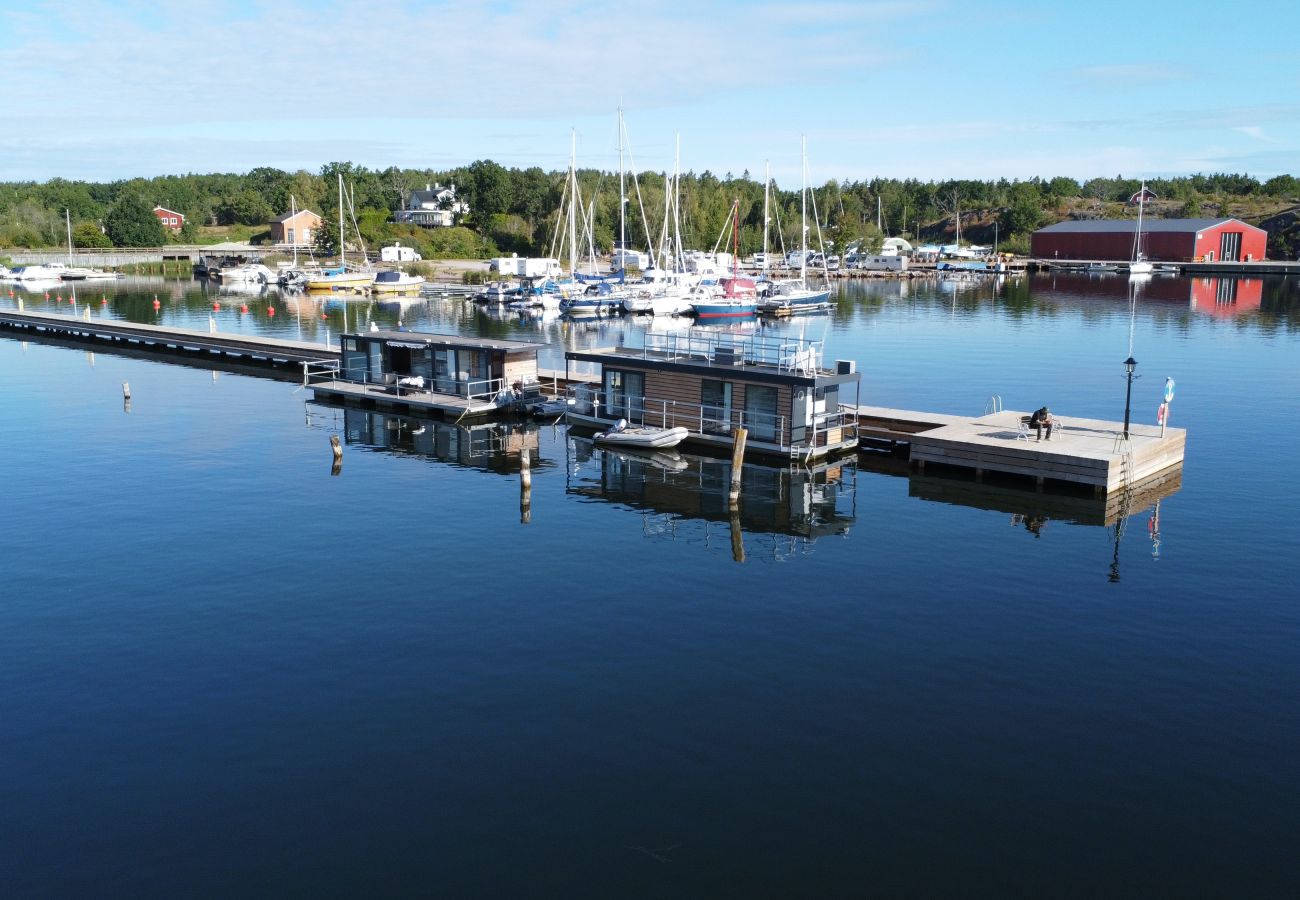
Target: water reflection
(487,446)
(680,494)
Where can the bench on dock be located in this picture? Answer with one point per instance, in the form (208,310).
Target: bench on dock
(1026,430)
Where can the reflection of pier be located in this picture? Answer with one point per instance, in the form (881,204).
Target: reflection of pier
(800,502)
(1029,504)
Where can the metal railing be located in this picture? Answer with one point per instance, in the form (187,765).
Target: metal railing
(826,429)
(477,389)
(782,353)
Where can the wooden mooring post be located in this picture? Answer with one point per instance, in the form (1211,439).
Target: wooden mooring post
(737,462)
(337,467)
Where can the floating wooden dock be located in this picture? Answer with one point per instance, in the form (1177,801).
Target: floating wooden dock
(1090,452)
(184,342)
(396,398)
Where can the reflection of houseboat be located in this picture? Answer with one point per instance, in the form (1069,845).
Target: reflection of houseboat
(713,383)
(442,373)
(791,500)
(490,446)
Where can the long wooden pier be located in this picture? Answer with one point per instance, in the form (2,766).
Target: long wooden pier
(1090,452)
(182,342)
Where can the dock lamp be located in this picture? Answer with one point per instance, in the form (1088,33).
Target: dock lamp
(1129,365)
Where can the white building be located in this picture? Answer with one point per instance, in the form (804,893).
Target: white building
(434,207)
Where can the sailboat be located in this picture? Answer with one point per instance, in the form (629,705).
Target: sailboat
(80,273)
(1140,265)
(739,296)
(794,295)
(341,278)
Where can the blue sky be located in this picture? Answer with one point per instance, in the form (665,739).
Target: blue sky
(929,89)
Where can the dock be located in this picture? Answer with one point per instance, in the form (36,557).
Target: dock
(167,340)
(1090,452)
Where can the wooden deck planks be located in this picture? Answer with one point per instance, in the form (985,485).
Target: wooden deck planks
(1083,451)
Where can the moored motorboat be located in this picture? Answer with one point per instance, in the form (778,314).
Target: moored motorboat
(396,282)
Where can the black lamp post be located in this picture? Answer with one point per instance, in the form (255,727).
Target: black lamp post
(1129,365)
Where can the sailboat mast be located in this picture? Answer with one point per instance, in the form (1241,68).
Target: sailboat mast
(343,253)
(67,216)
(293,215)
(677,204)
(622,189)
(803,216)
(1137,235)
(573,203)
(767,190)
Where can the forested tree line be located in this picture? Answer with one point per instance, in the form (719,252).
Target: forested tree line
(516,210)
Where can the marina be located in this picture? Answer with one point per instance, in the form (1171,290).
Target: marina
(777,389)
(848,646)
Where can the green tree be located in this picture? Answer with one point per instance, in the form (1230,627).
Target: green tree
(87,234)
(489,189)
(245,207)
(131,223)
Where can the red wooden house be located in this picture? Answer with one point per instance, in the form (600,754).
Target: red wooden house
(169,218)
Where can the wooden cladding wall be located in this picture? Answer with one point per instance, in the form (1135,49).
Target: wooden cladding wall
(685,389)
(520,368)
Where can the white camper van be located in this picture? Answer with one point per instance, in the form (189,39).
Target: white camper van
(398,253)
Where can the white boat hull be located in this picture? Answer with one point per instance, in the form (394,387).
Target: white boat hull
(651,438)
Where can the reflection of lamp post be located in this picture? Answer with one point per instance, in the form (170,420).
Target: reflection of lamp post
(1129,365)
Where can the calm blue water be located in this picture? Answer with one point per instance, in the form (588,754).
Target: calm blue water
(225,671)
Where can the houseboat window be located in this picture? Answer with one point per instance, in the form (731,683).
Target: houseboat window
(444,368)
(354,361)
(422,363)
(399,360)
(761,412)
(291,235)
(624,394)
(376,359)
(715,397)
(476,370)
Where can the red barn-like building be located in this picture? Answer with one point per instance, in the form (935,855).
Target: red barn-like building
(1163,240)
(169,217)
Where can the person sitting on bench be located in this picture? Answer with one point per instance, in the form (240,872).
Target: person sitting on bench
(1042,418)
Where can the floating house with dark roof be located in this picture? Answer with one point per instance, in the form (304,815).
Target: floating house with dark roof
(775,387)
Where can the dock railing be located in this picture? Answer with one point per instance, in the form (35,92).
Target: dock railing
(784,354)
(481,390)
(826,429)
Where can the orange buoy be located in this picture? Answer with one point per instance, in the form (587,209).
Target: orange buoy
(156,304)
(270,310)
(216,305)
(243,308)
(47,295)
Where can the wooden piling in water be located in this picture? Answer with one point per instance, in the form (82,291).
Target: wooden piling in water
(737,462)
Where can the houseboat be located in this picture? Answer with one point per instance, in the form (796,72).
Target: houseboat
(775,387)
(431,373)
